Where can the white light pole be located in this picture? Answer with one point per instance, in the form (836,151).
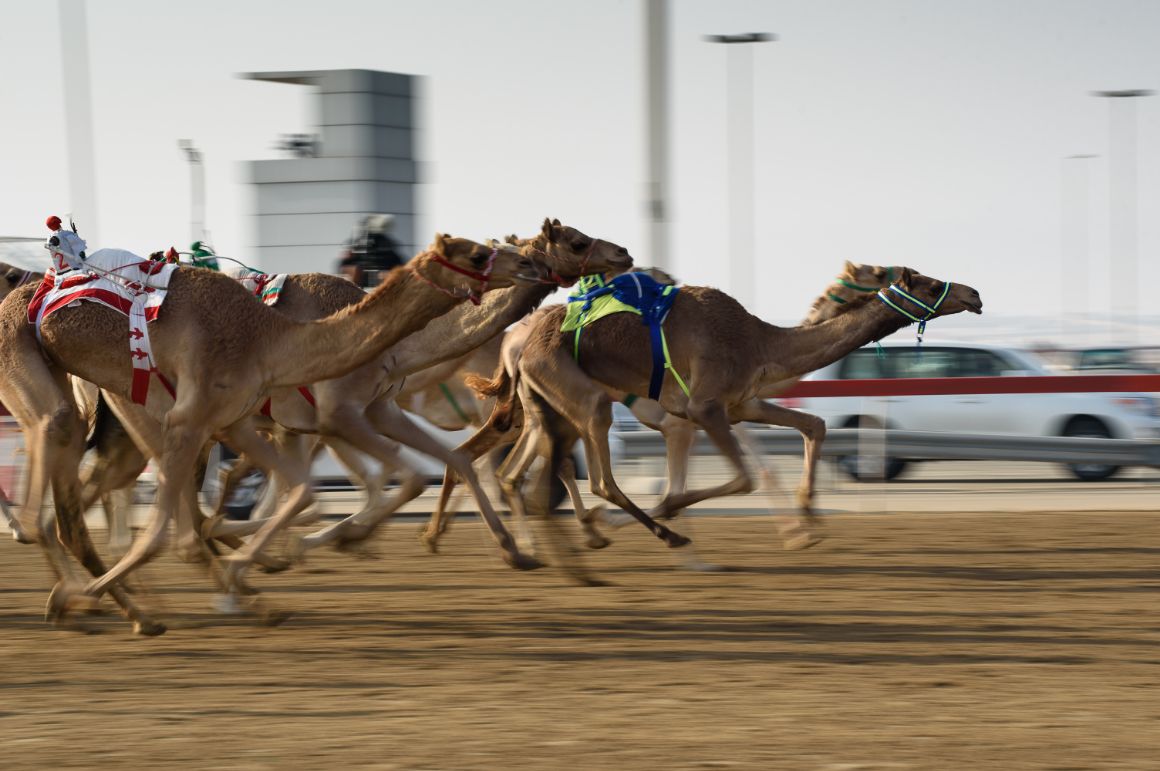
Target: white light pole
(1075,239)
(197,230)
(78,117)
(739,154)
(656,97)
(1123,262)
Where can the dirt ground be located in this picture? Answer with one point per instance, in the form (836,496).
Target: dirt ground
(901,642)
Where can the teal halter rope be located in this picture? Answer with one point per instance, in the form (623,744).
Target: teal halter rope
(858,287)
(931,310)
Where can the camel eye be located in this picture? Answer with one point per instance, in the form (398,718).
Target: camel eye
(479,259)
(580,246)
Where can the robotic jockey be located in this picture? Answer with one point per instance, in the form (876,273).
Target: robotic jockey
(66,247)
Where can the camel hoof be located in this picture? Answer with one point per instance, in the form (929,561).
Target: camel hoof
(430,542)
(521,561)
(226,604)
(296,549)
(20,536)
(675,540)
(274,617)
(192,556)
(595,514)
(149,628)
(801,540)
(275,565)
(598,542)
(234,575)
(60,601)
(351,533)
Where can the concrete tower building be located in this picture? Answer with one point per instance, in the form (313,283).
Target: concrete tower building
(361,161)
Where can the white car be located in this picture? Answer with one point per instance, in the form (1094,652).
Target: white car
(1117,415)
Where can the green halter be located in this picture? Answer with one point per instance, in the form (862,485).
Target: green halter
(931,310)
(858,287)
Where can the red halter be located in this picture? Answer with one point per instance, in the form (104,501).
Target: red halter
(483,278)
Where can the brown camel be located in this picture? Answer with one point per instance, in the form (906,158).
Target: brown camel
(568,253)
(507,423)
(342,404)
(727,357)
(253,349)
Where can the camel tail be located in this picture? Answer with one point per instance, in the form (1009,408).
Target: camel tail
(490,388)
(104,423)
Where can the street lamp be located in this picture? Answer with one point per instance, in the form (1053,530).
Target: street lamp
(739,157)
(196,189)
(1122,230)
(1075,240)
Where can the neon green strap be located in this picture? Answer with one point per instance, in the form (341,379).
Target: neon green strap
(669,364)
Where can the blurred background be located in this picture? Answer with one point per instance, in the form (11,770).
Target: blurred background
(753,146)
(966,139)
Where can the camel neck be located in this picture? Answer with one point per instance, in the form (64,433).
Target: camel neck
(466,328)
(794,351)
(338,344)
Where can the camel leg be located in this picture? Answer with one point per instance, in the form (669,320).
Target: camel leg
(148,436)
(118,505)
(244,438)
(487,438)
(184,437)
(359,526)
(389,419)
(511,474)
(710,415)
(554,438)
(587,518)
(58,452)
(813,431)
(589,410)
(68,500)
(679,436)
(794,532)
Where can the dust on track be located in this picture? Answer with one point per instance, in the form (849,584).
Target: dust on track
(910,641)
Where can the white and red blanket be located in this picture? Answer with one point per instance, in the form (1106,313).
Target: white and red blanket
(119,280)
(267,287)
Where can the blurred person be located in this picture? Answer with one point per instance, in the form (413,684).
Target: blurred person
(372,251)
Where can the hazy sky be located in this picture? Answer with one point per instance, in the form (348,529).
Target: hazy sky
(920,132)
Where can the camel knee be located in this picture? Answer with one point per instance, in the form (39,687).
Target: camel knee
(815,429)
(62,427)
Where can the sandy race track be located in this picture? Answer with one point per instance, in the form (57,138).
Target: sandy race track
(905,642)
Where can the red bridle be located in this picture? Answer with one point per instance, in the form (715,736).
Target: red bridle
(483,278)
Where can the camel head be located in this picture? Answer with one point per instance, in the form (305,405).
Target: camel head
(12,277)
(464,268)
(570,254)
(918,296)
(658,275)
(856,284)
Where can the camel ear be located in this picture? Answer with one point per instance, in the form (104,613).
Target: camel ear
(440,246)
(557,223)
(906,278)
(549,229)
(849,269)
(511,238)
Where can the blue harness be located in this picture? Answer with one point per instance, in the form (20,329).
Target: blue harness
(653,301)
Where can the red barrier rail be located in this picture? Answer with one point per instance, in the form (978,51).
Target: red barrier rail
(947,386)
(940,386)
